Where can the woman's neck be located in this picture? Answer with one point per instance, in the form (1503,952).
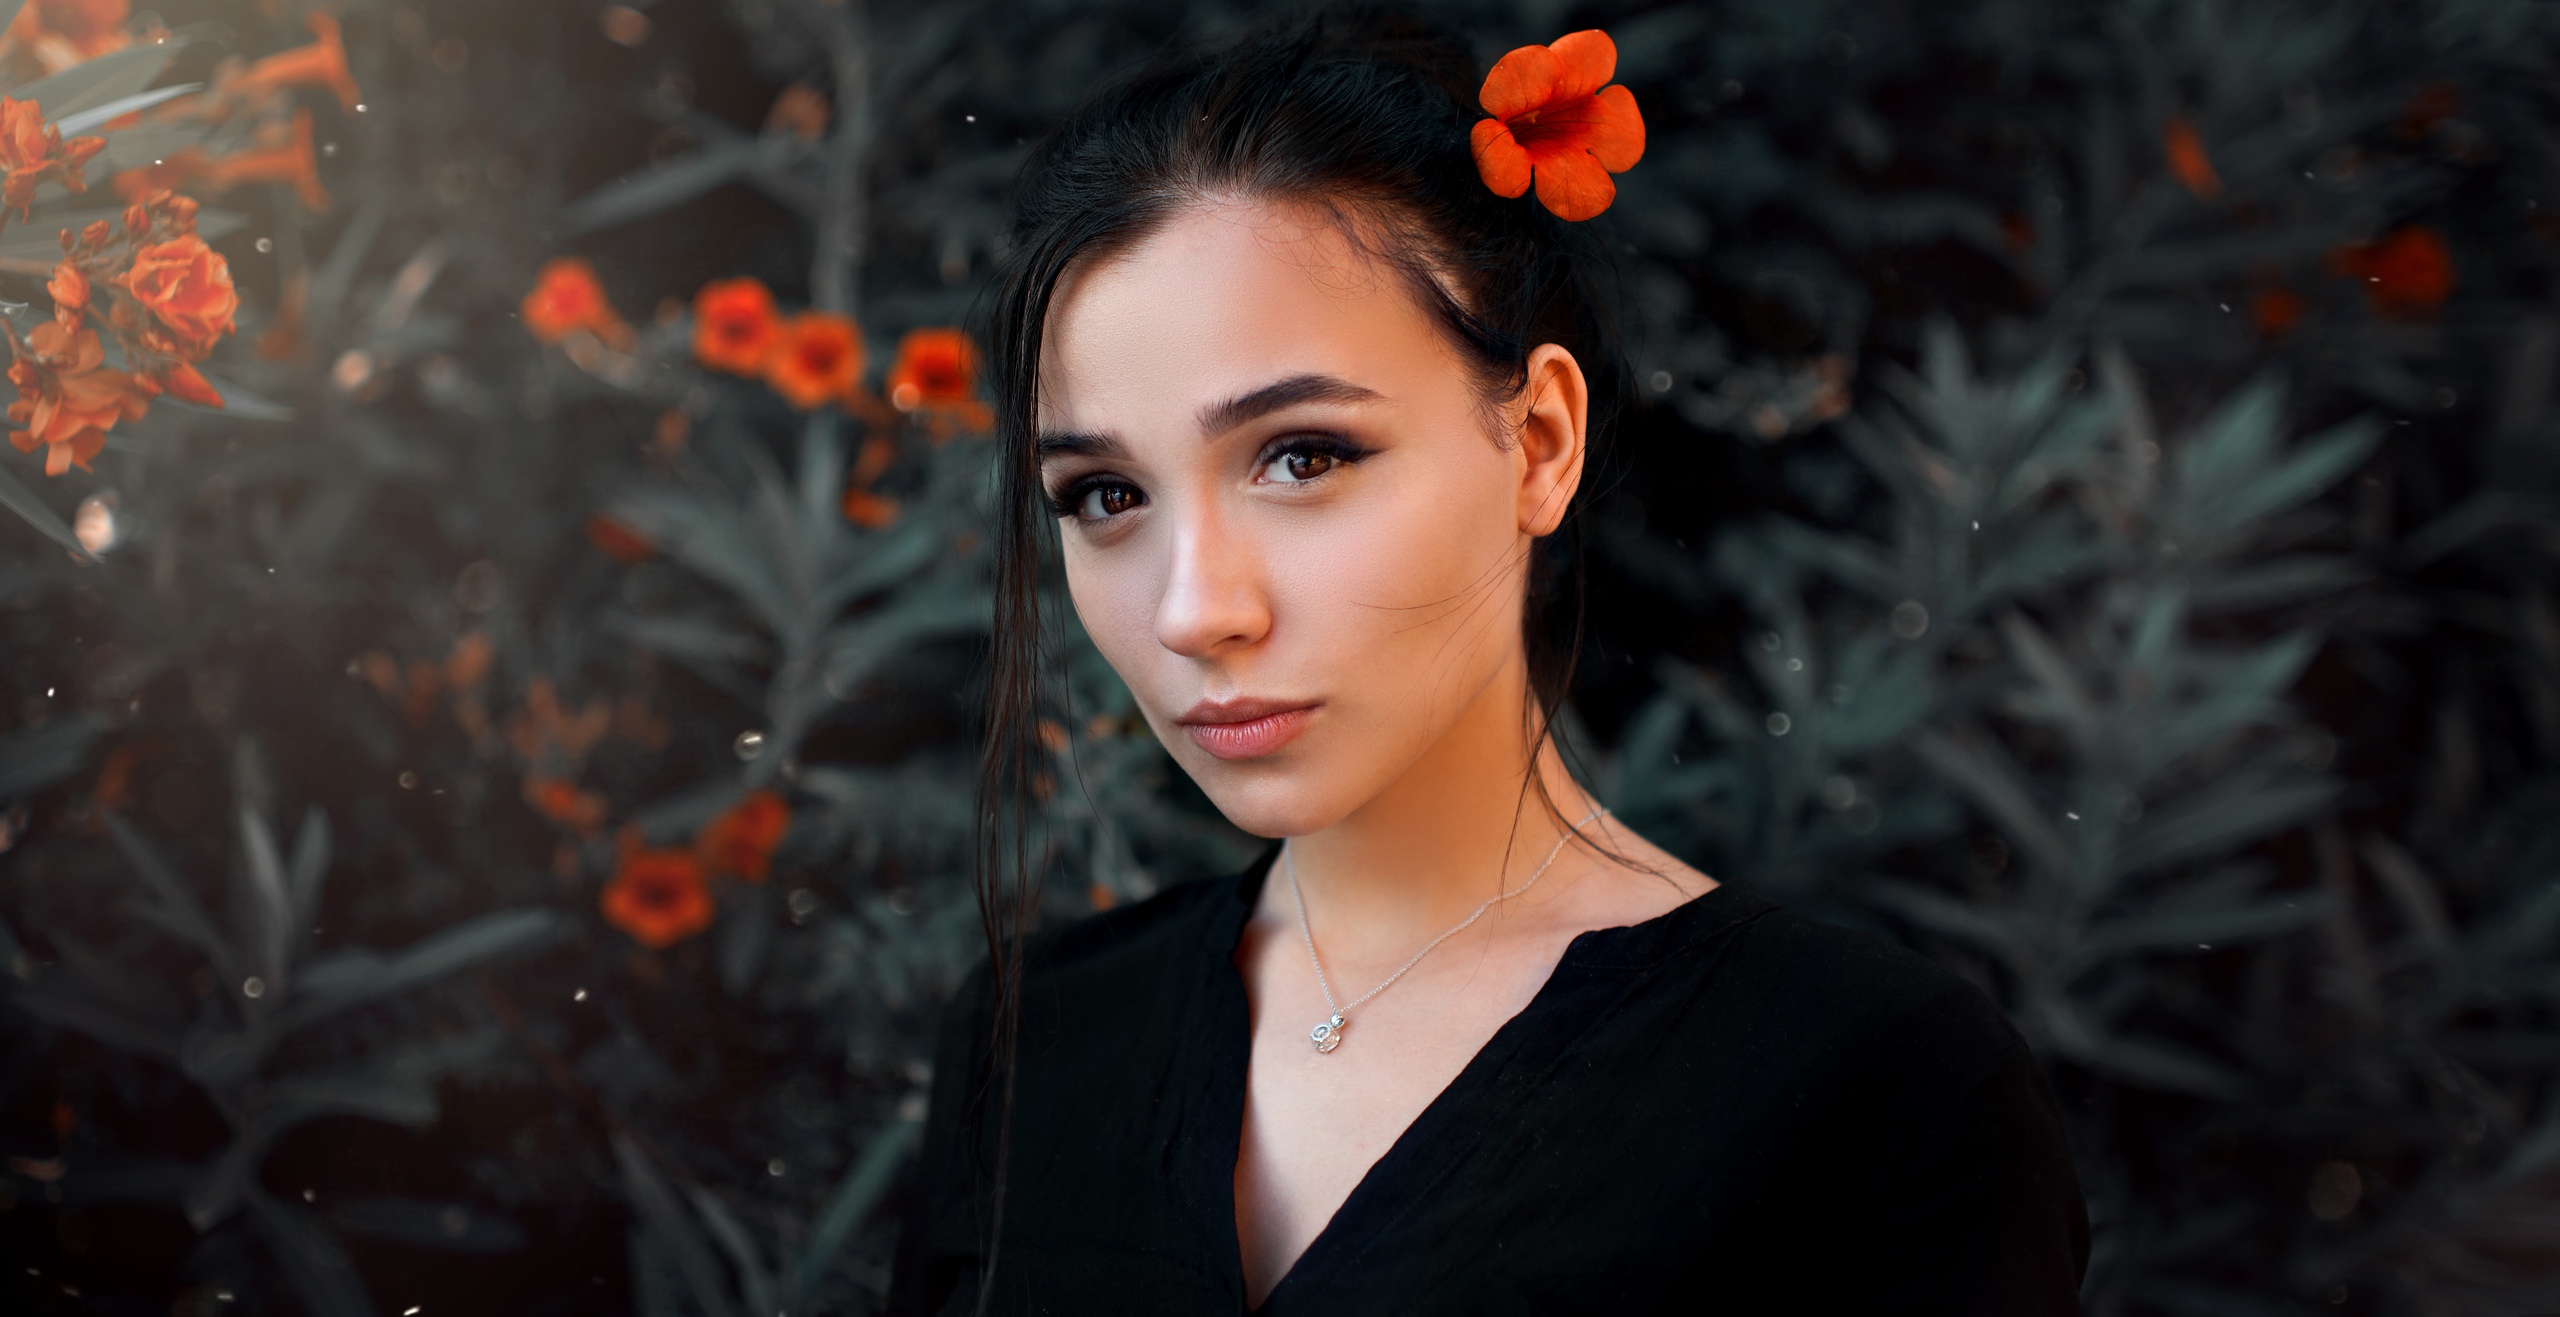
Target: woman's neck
(1461,825)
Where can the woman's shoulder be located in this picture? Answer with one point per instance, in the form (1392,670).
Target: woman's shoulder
(1830,987)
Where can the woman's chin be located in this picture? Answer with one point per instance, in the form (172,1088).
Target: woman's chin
(1269,800)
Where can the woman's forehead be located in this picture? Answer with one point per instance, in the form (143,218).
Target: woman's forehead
(1220,299)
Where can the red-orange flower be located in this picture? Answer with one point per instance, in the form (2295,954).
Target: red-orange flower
(936,368)
(658,897)
(2408,273)
(566,298)
(1555,123)
(619,542)
(734,326)
(2187,159)
(60,33)
(69,289)
(186,286)
(68,398)
(816,360)
(741,840)
(33,153)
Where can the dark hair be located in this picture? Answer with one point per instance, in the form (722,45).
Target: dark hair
(1366,114)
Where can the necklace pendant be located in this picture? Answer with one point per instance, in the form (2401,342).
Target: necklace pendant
(1328,1035)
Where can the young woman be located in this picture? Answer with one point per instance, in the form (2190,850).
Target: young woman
(1304,383)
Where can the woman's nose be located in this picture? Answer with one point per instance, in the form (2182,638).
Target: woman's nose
(1213,595)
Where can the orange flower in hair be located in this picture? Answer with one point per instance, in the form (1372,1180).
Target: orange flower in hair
(1555,123)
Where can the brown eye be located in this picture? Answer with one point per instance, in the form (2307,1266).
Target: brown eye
(1300,465)
(1101,501)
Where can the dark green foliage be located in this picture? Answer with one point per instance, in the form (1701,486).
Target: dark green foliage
(2129,583)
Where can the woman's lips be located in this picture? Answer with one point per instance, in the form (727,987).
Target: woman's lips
(1243,731)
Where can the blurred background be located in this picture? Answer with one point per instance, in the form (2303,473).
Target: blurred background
(490,605)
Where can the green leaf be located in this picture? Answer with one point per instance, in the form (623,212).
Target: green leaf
(322,1273)
(2219,820)
(2185,929)
(170,903)
(272,923)
(855,1196)
(81,121)
(65,1009)
(1991,930)
(655,1202)
(673,183)
(357,977)
(34,511)
(33,758)
(101,81)
(1987,775)
(731,1235)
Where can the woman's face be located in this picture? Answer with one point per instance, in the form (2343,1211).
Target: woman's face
(1289,520)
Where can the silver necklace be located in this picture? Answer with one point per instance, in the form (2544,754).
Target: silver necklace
(1328,1035)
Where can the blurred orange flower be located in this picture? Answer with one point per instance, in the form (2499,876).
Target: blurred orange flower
(2187,159)
(2276,311)
(291,161)
(68,398)
(186,286)
(658,897)
(741,840)
(801,110)
(2408,273)
(870,511)
(1555,122)
(818,360)
(57,34)
(179,169)
(619,542)
(323,63)
(562,802)
(734,326)
(861,506)
(566,298)
(936,368)
(33,153)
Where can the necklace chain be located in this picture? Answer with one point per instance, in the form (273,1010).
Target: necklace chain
(1328,1035)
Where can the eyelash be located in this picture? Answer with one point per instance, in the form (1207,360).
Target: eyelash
(1067,503)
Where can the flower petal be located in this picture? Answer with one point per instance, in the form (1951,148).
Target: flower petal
(1500,159)
(1520,82)
(1616,138)
(1574,186)
(1586,60)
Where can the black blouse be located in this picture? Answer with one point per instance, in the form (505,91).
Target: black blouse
(1727,1109)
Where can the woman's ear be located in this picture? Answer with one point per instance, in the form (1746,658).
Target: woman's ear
(1552,433)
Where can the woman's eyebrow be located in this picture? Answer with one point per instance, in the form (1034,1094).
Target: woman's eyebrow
(1075,444)
(1218,418)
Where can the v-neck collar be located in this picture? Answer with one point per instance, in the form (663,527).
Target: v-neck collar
(1597,969)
